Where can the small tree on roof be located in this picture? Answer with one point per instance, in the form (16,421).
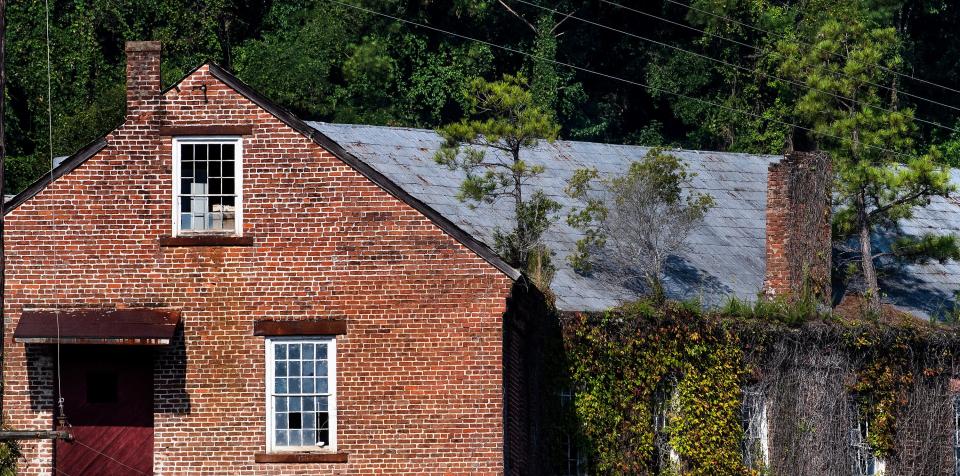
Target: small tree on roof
(504,117)
(636,220)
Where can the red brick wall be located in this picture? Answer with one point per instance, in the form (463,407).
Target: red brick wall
(419,372)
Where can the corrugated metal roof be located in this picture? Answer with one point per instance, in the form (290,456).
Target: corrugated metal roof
(725,257)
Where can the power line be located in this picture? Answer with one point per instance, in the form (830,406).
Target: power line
(605,75)
(806,43)
(732,65)
(762,51)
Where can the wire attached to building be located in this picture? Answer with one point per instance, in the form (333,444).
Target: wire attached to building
(610,76)
(61,413)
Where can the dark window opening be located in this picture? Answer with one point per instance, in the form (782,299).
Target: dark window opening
(296,421)
(102,387)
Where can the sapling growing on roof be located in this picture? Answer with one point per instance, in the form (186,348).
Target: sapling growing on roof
(637,220)
(503,119)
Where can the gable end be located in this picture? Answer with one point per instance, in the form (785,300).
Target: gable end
(366,170)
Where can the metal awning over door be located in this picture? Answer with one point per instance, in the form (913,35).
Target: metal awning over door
(139,326)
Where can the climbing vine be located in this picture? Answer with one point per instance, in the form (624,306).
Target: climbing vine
(659,389)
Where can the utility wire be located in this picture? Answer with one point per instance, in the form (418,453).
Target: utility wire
(763,52)
(732,65)
(56,311)
(605,75)
(806,43)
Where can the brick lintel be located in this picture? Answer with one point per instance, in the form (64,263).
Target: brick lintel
(207,130)
(318,327)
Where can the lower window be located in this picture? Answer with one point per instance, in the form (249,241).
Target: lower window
(301,393)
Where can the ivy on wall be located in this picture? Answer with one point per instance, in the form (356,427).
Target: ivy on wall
(659,388)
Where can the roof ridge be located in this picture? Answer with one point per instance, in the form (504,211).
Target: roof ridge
(561,141)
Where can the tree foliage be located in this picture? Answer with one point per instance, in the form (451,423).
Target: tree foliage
(881,177)
(637,220)
(504,118)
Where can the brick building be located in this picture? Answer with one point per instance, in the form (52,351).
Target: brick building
(282,307)
(217,286)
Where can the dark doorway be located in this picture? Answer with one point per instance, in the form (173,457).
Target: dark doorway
(108,398)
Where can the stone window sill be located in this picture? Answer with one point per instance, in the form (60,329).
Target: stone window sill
(301,457)
(205,240)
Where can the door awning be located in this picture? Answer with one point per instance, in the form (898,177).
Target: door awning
(98,326)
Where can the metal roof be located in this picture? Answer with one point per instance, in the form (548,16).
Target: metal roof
(725,257)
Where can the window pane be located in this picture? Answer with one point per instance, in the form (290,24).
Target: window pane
(185,222)
(294,385)
(309,404)
(294,369)
(279,404)
(214,154)
(322,368)
(280,351)
(308,385)
(294,351)
(323,428)
(281,436)
(308,369)
(228,151)
(322,351)
(281,385)
(200,153)
(295,403)
(280,368)
(294,438)
(281,421)
(186,152)
(296,420)
(322,385)
(308,351)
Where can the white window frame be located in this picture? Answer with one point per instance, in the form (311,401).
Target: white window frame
(237,141)
(331,342)
(759,420)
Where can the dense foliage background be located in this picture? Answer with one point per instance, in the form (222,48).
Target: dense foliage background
(329,62)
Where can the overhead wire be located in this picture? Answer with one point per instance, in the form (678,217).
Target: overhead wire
(762,51)
(732,65)
(56,310)
(807,43)
(605,75)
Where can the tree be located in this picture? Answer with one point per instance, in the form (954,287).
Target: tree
(880,177)
(504,117)
(637,220)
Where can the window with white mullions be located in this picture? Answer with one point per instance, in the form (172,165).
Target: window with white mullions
(301,393)
(207,185)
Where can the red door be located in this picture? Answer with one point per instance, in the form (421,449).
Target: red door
(108,398)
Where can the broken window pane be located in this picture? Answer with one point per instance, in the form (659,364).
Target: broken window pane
(207,187)
(301,402)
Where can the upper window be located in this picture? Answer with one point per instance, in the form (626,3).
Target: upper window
(207,185)
(865,462)
(301,393)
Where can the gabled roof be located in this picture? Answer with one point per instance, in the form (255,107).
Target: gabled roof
(725,256)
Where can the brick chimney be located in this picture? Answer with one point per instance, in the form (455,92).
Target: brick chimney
(798,248)
(143,80)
